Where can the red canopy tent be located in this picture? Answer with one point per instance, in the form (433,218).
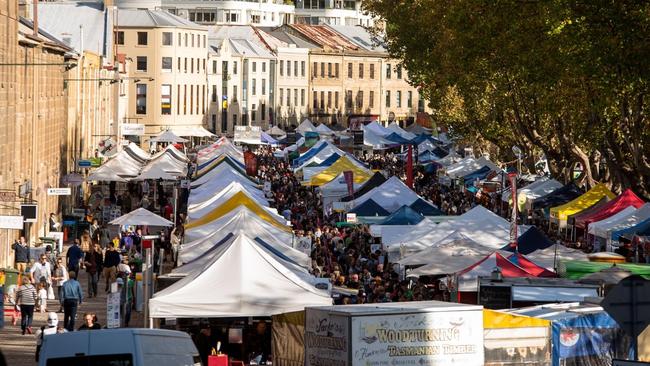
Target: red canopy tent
(530,267)
(625,200)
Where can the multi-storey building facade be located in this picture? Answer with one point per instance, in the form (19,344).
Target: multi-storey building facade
(167,69)
(331,12)
(33,125)
(233,12)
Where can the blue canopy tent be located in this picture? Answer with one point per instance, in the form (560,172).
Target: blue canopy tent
(558,197)
(478,174)
(533,239)
(376,180)
(369,208)
(329,161)
(582,336)
(397,139)
(427,157)
(267,139)
(640,229)
(309,154)
(403,216)
(424,208)
(424,137)
(227,159)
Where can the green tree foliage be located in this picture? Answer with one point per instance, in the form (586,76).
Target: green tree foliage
(568,79)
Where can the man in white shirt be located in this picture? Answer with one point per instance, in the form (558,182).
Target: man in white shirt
(41,271)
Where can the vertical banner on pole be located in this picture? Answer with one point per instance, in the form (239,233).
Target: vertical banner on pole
(409,167)
(513,218)
(250,161)
(349,181)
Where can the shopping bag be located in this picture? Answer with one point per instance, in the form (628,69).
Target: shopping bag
(50,293)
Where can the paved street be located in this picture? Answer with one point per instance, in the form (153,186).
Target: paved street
(19,350)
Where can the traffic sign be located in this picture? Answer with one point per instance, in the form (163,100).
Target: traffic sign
(59,191)
(84,163)
(629,304)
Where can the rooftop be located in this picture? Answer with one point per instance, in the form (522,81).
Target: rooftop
(325,37)
(360,36)
(145,18)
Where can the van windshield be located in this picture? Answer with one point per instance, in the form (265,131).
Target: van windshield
(97,360)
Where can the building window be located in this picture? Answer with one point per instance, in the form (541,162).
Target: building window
(166,99)
(360,71)
(203,41)
(281,99)
(192,65)
(167,38)
(141,99)
(398,99)
(360,99)
(234,67)
(263,87)
(336,73)
(119,38)
(213,117)
(288,97)
(179,39)
(142,38)
(315,71)
(185,36)
(255,18)
(178,99)
(184,99)
(214,93)
(409,99)
(372,71)
(254,113)
(302,68)
(288,68)
(295,97)
(350,70)
(178,64)
(420,105)
(295,68)
(254,66)
(387,98)
(302,97)
(224,70)
(329,70)
(336,99)
(281,67)
(234,93)
(214,67)
(329,99)
(388,69)
(315,105)
(254,87)
(234,120)
(141,63)
(322,100)
(322,69)
(263,69)
(371,99)
(348,99)
(263,111)
(167,64)
(192,36)
(231,16)
(398,71)
(191,99)
(202,16)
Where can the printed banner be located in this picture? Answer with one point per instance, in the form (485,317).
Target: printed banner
(326,339)
(250,161)
(349,180)
(513,217)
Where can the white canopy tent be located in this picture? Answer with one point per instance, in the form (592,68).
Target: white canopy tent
(220,147)
(217,172)
(244,281)
(426,145)
(243,220)
(135,149)
(141,217)
(377,129)
(206,191)
(192,131)
(104,174)
(196,211)
(550,257)
(447,249)
(166,162)
(155,172)
(306,126)
(324,130)
(393,126)
(642,214)
(168,136)
(450,159)
(602,227)
(123,164)
(373,139)
(391,195)
(276,131)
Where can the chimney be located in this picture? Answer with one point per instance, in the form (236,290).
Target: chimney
(108,4)
(35,18)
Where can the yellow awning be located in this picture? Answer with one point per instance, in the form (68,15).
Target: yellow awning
(585,201)
(343,164)
(238,199)
(498,320)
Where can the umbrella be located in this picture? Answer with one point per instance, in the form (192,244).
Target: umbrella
(168,136)
(607,276)
(141,216)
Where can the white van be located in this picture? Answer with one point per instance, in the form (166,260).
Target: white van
(119,347)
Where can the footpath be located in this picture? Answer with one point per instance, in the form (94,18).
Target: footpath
(19,349)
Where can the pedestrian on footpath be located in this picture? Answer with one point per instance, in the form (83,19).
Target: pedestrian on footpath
(89,322)
(26,298)
(22,256)
(72,298)
(111,261)
(74,256)
(92,262)
(60,276)
(51,328)
(41,271)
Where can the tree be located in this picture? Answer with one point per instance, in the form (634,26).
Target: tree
(561,78)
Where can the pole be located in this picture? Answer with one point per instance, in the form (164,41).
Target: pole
(175,202)
(146,274)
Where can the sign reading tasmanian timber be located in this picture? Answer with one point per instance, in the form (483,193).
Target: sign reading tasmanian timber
(326,339)
(439,338)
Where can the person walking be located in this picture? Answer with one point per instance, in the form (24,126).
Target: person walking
(72,298)
(111,261)
(74,256)
(92,262)
(104,237)
(26,298)
(128,294)
(52,327)
(89,322)
(21,254)
(41,271)
(60,276)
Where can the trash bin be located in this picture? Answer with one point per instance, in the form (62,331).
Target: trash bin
(10,276)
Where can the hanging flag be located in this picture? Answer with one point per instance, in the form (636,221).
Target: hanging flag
(250,161)
(409,167)
(513,218)
(349,180)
